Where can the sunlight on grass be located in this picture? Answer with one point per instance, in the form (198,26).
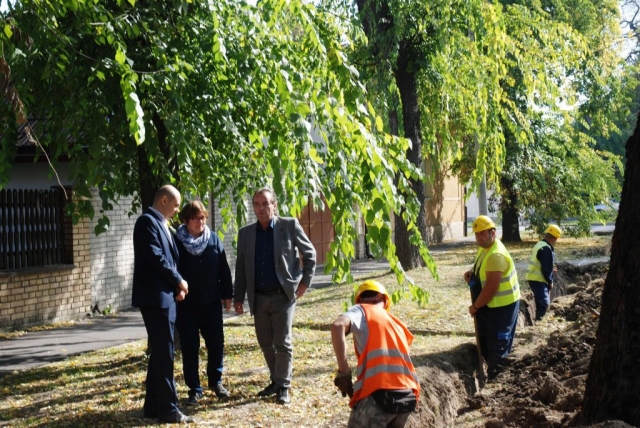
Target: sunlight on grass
(106,388)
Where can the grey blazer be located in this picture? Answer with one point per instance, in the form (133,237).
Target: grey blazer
(291,245)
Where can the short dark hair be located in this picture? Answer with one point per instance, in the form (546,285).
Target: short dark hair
(371,297)
(192,210)
(265,190)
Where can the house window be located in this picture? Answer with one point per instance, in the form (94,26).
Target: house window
(32,228)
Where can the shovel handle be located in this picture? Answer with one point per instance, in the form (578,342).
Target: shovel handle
(481,376)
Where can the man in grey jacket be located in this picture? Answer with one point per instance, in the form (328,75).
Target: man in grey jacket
(268,271)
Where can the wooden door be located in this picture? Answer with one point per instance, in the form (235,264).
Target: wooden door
(319,228)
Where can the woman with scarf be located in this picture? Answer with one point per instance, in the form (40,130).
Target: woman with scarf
(203,264)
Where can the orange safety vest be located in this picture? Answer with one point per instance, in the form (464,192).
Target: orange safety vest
(384,362)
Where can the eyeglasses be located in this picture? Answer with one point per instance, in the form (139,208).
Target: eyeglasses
(201,218)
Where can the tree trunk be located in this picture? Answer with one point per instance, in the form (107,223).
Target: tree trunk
(613,384)
(148,180)
(148,183)
(409,255)
(509,210)
(378,24)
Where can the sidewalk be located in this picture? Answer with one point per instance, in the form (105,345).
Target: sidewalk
(39,348)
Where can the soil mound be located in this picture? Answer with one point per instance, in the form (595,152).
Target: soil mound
(542,387)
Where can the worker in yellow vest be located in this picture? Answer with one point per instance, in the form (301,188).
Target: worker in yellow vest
(386,390)
(541,269)
(496,295)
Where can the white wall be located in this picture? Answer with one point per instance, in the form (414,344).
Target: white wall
(473,207)
(112,257)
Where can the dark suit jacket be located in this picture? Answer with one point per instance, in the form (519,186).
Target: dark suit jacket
(155,266)
(291,245)
(208,273)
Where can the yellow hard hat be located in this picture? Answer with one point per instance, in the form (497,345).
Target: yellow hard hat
(482,223)
(372,285)
(554,231)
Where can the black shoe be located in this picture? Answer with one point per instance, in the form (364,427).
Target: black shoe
(193,398)
(220,391)
(272,389)
(177,418)
(283,396)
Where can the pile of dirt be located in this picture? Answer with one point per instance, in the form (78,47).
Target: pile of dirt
(545,388)
(444,380)
(541,388)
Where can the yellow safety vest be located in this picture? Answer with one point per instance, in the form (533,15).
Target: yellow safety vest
(509,290)
(534,270)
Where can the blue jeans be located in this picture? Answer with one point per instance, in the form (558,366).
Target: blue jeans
(496,330)
(541,294)
(193,320)
(273,320)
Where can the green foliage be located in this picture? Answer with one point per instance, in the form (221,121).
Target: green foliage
(562,96)
(211,96)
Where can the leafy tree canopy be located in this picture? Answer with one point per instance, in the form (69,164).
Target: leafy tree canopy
(221,96)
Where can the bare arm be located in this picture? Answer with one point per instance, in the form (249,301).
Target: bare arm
(339,330)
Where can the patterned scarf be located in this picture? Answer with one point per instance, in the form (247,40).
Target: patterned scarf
(193,245)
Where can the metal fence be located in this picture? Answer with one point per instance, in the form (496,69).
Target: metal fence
(32,228)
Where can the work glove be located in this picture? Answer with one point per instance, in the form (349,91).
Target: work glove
(344,383)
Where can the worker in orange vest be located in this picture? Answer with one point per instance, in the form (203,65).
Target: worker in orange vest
(386,390)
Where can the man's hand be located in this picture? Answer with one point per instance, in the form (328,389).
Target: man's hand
(239,307)
(467,276)
(184,287)
(344,383)
(301,290)
(181,295)
(473,310)
(226,304)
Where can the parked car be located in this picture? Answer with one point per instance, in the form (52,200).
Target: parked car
(611,205)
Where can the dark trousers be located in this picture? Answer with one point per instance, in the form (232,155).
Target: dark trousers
(161,399)
(193,320)
(541,295)
(497,328)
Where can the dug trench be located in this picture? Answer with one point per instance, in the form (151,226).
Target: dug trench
(543,382)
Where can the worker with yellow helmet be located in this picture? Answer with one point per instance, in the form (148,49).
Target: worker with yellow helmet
(541,269)
(386,390)
(496,294)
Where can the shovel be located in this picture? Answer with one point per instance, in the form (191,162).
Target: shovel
(481,376)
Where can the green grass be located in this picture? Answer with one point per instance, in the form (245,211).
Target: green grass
(106,388)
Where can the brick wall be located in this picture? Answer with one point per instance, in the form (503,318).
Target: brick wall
(49,294)
(112,258)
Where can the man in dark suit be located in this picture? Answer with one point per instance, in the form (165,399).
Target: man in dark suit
(268,271)
(156,287)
